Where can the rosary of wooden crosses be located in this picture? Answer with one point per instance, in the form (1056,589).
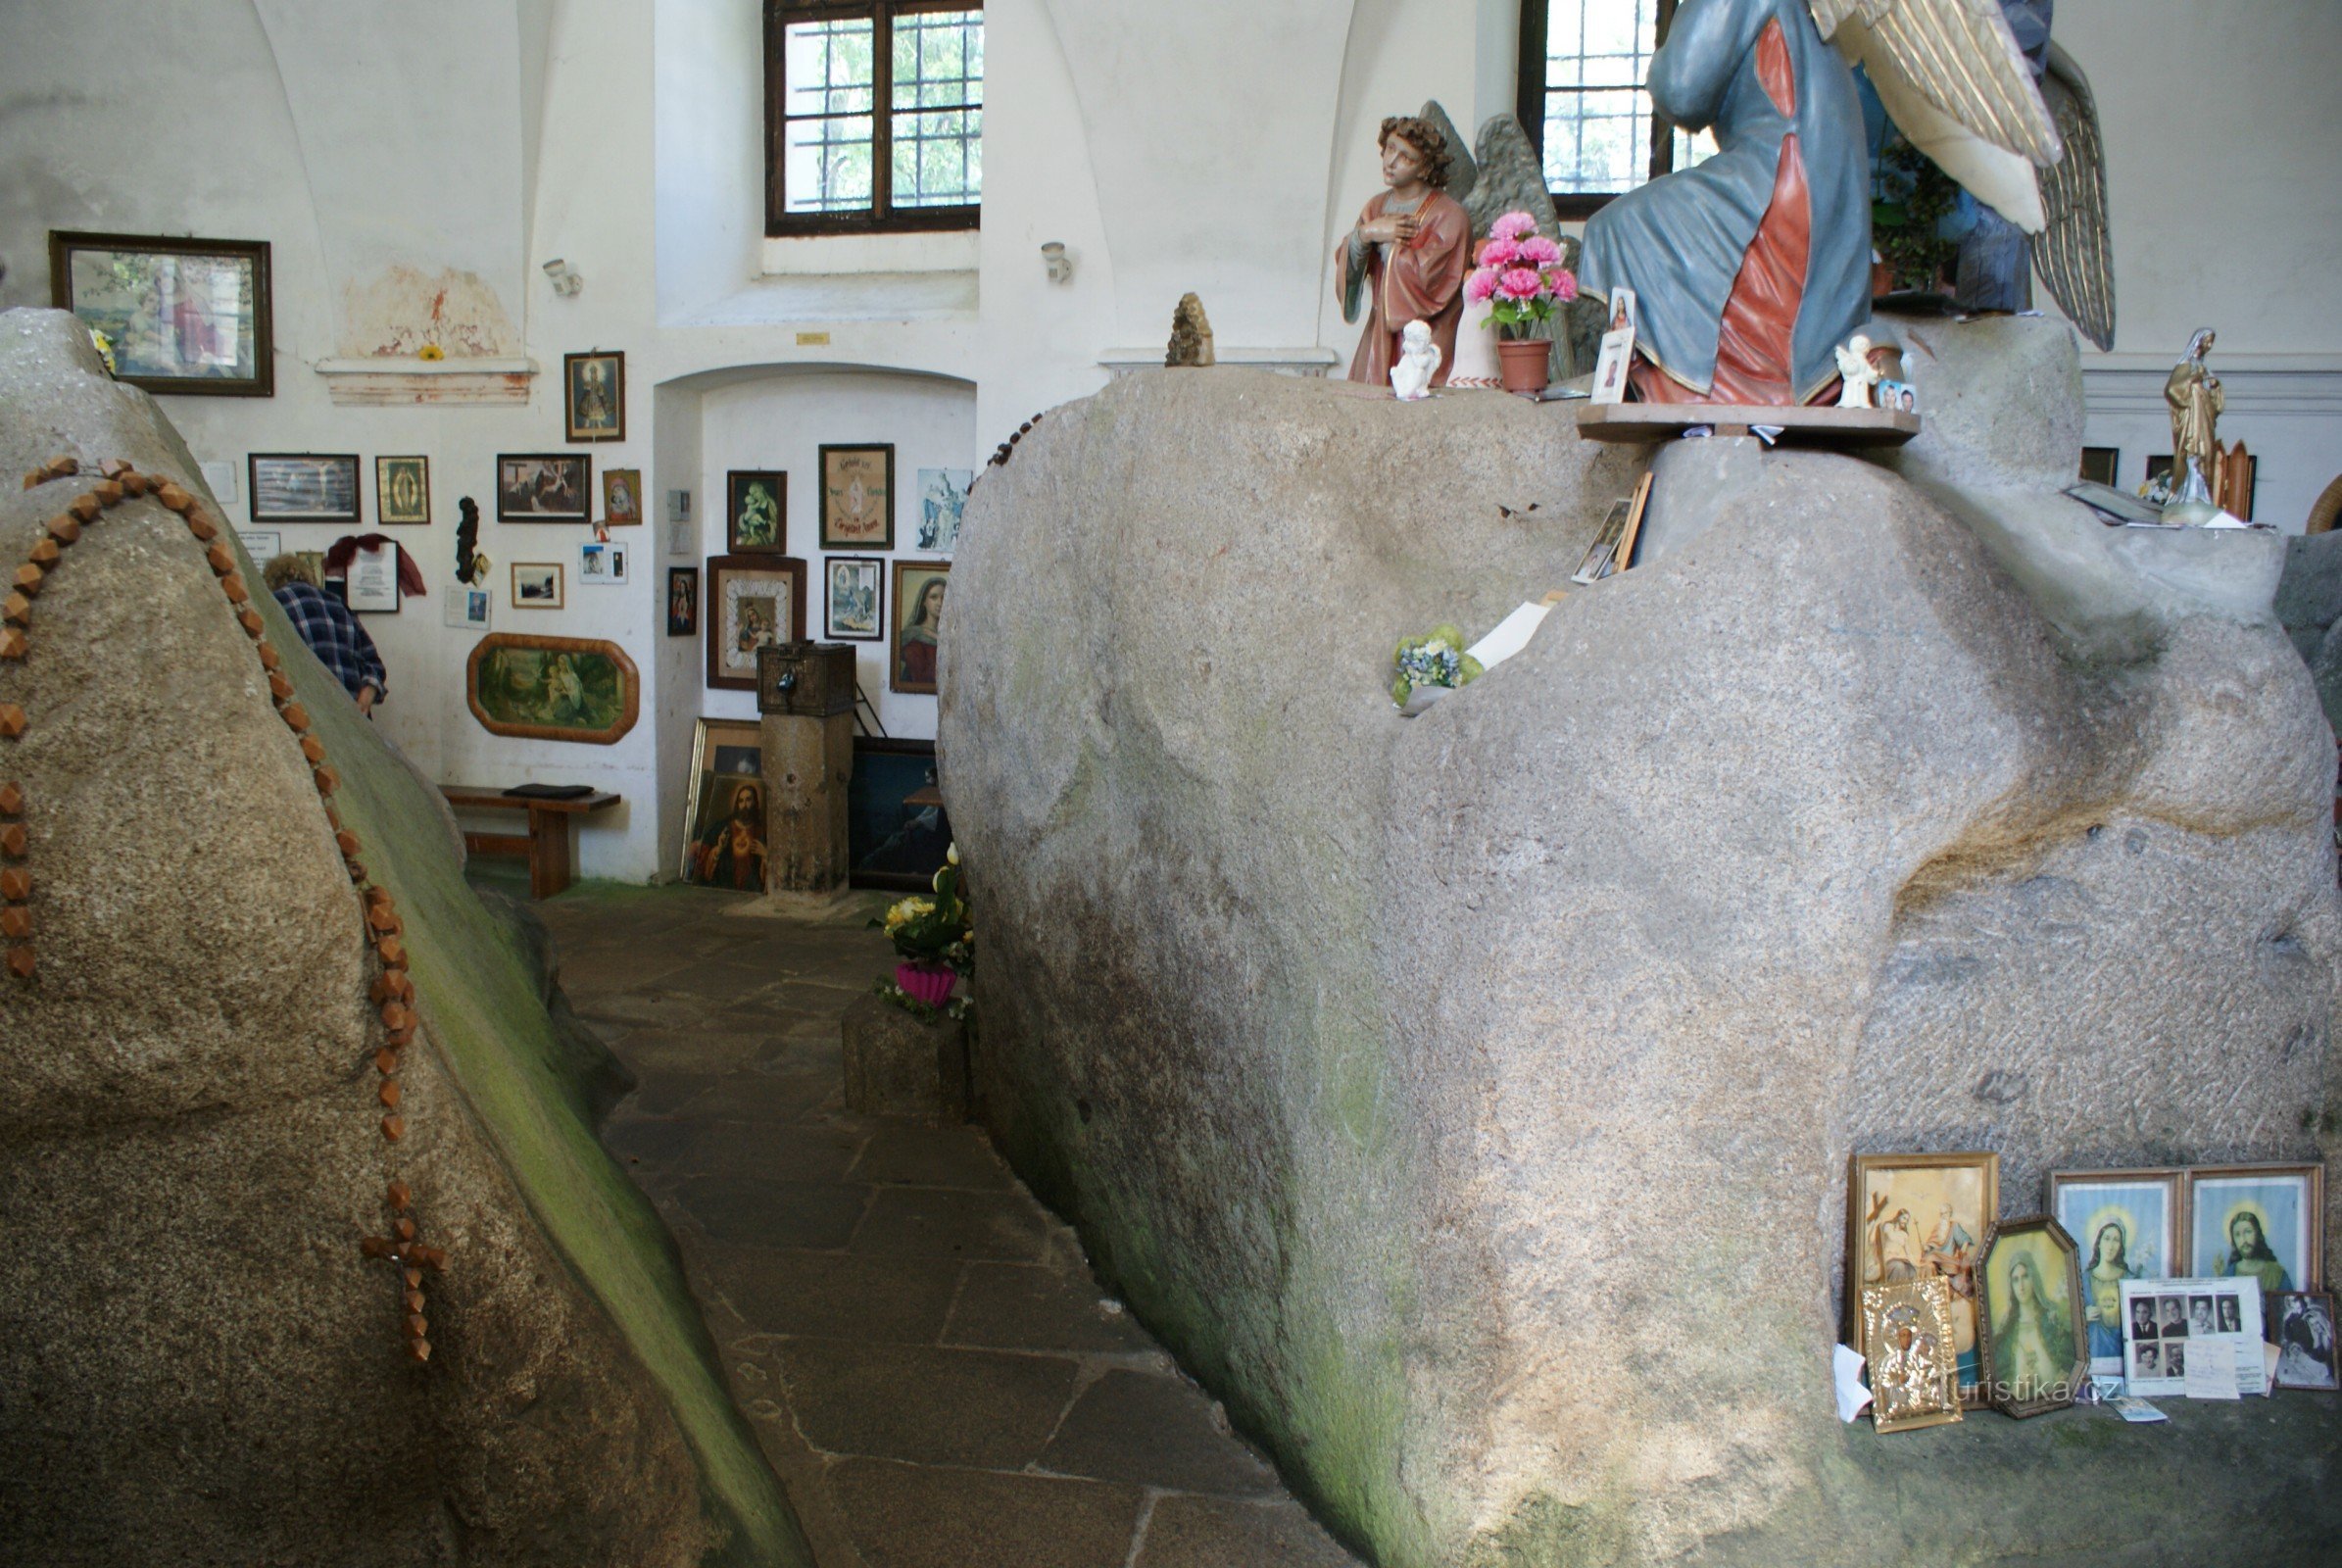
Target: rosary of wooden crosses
(392,993)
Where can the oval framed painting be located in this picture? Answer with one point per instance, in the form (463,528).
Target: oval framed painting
(552,688)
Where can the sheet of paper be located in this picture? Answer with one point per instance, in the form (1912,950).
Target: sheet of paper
(2136,1411)
(1512,635)
(1846,1363)
(2211,1372)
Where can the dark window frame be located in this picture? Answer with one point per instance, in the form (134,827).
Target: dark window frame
(881,217)
(1529,104)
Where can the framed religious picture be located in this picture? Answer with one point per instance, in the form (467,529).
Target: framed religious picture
(943,500)
(857,498)
(756,511)
(301,487)
(1610,369)
(622,497)
(853,596)
(594,396)
(1923,1216)
(536,585)
(752,602)
(402,491)
(2100,464)
(2029,1280)
(601,564)
(179,316)
(552,688)
(2127,1225)
(918,625)
(1906,1335)
(1601,557)
(683,601)
(545,487)
(896,835)
(2303,1335)
(2262,1222)
(723,813)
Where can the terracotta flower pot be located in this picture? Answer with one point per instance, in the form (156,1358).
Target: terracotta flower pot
(1525,363)
(928,983)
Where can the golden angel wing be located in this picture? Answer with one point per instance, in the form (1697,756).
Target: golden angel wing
(1959,55)
(2073,252)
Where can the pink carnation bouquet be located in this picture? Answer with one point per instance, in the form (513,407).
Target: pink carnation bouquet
(1520,270)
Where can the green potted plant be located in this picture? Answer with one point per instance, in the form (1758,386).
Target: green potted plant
(934,935)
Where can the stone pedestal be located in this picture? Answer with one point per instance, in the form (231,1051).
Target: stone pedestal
(805,693)
(899,1066)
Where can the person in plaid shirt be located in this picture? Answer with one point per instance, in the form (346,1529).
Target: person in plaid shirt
(332,633)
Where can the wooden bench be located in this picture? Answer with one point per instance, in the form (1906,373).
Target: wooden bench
(545,845)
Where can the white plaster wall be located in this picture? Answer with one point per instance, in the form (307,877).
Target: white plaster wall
(1220,146)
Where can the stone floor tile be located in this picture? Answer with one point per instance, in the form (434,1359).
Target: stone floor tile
(1028,1306)
(836,1295)
(910,1155)
(752,1094)
(1157,1432)
(741,1210)
(981,1408)
(1186,1532)
(905,1516)
(784,1152)
(940,1222)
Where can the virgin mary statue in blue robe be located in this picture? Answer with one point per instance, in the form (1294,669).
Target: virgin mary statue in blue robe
(1748,269)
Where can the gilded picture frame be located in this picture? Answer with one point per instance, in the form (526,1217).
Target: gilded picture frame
(1906,1336)
(594,396)
(727,762)
(530,687)
(2035,1352)
(1898,1230)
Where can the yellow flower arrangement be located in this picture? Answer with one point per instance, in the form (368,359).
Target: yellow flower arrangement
(431,351)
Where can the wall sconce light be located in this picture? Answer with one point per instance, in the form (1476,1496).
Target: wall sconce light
(1059,264)
(566,279)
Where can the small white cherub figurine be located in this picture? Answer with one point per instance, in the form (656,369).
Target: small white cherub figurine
(1854,364)
(1418,363)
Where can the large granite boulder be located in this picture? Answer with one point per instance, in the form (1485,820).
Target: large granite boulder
(197,1364)
(1468,1098)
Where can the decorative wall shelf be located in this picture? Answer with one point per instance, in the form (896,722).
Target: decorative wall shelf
(385,381)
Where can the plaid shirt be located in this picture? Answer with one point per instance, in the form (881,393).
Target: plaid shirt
(333,634)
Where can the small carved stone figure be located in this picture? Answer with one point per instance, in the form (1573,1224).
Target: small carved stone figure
(1855,369)
(1419,361)
(1191,335)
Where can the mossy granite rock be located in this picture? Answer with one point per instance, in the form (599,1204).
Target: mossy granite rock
(197,1365)
(1467,1099)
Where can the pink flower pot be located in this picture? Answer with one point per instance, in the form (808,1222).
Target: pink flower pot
(1526,364)
(929,983)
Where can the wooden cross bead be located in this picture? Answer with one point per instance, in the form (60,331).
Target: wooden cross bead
(12,720)
(270,657)
(64,527)
(414,1325)
(401,1194)
(15,922)
(280,688)
(44,553)
(390,949)
(222,560)
(115,468)
(428,1256)
(394,1126)
(232,585)
(375,1246)
(400,1038)
(21,962)
(413,1278)
(295,717)
(136,484)
(395,1016)
(374,896)
(328,780)
(385,919)
(85,507)
(109,493)
(13,842)
(14,644)
(356,869)
(388,1093)
(383,989)
(414,1300)
(346,841)
(17,611)
(405,1226)
(250,620)
(313,748)
(11,798)
(386,1061)
(16,884)
(421,1349)
(172,496)
(29,578)
(202,526)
